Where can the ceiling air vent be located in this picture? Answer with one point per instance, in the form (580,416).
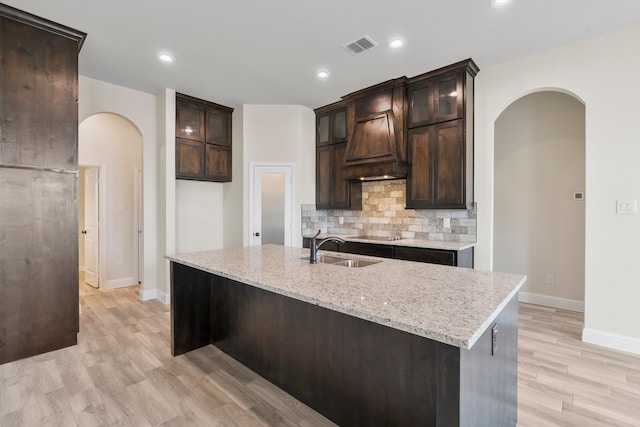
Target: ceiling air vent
(361,45)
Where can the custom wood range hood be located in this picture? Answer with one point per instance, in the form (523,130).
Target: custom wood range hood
(376,145)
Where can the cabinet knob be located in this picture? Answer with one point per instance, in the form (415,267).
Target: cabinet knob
(257,234)
(84,231)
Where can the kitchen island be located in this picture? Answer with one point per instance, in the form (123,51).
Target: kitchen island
(392,343)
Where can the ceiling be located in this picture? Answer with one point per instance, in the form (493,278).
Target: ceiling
(268,52)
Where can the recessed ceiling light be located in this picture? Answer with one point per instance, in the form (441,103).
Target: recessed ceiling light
(323,74)
(500,3)
(396,43)
(164,57)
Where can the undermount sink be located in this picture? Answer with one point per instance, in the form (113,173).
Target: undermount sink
(342,262)
(355,263)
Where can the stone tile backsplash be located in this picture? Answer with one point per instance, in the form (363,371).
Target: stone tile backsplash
(383,214)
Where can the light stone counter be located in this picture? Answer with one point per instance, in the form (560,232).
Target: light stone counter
(414,243)
(448,304)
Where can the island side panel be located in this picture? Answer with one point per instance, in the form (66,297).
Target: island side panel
(354,372)
(489,384)
(190,308)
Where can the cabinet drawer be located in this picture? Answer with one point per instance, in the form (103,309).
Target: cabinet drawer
(384,251)
(433,256)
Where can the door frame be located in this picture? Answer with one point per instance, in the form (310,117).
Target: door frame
(102,224)
(256,169)
(138,223)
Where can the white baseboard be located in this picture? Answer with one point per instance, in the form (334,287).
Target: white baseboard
(549,301)
(608,339)
(120,283)
(155,294)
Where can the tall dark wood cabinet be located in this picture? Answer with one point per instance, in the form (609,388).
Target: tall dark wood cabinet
(38,185)
(440,138)
(333,191)
(203,140)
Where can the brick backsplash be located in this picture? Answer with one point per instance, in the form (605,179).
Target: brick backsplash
(383,214)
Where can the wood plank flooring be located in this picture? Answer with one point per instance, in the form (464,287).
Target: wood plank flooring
(122,373)
(563,381)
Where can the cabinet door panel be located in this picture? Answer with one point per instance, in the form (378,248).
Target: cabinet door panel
(447,98)
(420,105)
(340,126)
(340,185)
(217,163)
(218,129)
(189,159)
(323,177)
(450,158)
(323,128)
(189,121)
(420,174)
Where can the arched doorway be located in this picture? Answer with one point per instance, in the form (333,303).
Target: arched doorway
(110,148)
(539,216)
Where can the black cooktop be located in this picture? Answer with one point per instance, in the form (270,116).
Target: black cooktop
(378,238)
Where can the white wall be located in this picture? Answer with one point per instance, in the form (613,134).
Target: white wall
(199,215)
(81,264)
(281,133)
(140,109)
(166,122)
(602,73)
(233,198)
(116,145)
(538,227)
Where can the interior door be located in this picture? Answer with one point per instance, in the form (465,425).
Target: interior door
(91,226)
(272,203)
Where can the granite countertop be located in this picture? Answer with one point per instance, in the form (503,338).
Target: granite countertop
(452,305)
(414,243)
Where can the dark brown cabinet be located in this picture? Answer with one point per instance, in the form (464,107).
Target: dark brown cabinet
(203,140)
(440,139)
(461,258)
(332,190)
(38,185)
(450,257)
(436,100)
(437,159)
(371,249)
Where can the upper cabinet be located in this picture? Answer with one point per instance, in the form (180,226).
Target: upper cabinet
(331,125)
(440,139)
(436,100)
(203,140)
(333,191)
(420,129)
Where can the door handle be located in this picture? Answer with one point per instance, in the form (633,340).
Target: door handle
(257,234)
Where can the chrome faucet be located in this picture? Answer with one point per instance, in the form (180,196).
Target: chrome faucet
(313,256)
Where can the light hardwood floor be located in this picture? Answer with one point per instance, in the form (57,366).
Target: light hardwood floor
(121,373)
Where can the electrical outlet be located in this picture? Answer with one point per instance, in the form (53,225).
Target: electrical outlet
(120,265)
(626,206)
(494,339)
(551,280)
(341,220)
(446,222)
